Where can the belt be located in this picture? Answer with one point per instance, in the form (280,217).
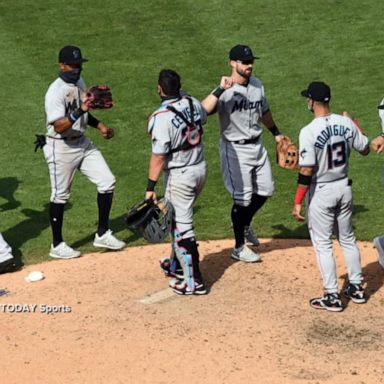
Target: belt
(254,140)
(66,138)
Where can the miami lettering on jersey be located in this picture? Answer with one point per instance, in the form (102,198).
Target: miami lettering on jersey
(331,131)
(245,104)
(70,106)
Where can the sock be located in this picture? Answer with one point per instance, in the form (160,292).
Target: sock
(56,214)
(256,203)
(239,216)
(104,203)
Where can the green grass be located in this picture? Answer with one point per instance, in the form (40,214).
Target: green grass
(127,43)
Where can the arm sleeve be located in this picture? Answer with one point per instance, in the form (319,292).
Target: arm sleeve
(158,129)
(54,106)
(264,102)
(381,115)
(307,155)
(360,142)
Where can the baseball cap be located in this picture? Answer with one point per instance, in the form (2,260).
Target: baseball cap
(242,53)
(71,55)
(381,106)
(318,91)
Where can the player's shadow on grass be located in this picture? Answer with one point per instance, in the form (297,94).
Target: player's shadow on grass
(30,228)
(373,278)
(117,225)
(300,232)
(8,186)
(359,209)
(214,265)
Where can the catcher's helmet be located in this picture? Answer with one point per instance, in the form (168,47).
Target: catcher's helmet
(152,220)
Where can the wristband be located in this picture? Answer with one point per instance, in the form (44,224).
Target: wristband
(274,130)
(304,179)
(72,117)
(151,185)
(218,91)
(300,194)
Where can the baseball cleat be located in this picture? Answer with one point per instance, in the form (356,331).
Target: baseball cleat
(245,254)
(378,243)
(63,251)
(330,302)
(355,292)
(165,265)
(250,236)
(181,287)
(108,241)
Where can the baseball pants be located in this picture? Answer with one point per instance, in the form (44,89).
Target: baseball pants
(65,157)
(330,204)
(246,171)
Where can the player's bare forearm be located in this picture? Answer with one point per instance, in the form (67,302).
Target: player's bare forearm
(156,165)
(269,123)
(210,102)
(61,125)
(66,122)
(267,120)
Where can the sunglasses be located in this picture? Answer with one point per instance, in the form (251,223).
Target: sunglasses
(246,62)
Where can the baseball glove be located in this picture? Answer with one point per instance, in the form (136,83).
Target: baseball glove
(99,97)
(151,220)
(287,154)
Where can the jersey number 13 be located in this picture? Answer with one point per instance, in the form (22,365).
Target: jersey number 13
(337,154)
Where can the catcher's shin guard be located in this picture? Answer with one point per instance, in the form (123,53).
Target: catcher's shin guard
(188,256)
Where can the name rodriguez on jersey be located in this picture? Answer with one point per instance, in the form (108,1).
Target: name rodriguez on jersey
(329,131)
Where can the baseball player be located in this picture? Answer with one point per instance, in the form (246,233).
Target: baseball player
(176,129)
(7,261)
(377,145)
(242,107)
(325,145)
(67,149)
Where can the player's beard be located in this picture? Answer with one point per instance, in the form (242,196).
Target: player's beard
(246,74)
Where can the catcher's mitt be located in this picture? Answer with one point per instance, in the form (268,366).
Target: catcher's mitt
(287,154)
(99,97)
(151,220)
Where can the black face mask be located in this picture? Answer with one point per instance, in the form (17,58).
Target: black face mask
(71,76)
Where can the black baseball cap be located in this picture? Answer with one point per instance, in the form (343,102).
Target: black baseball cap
(242,53)
(318,91)
(381,106)
(71,55)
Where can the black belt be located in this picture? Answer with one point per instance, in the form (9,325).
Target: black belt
(66,138)
(254,140)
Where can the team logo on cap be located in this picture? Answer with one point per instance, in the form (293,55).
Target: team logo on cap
(247,51)
(76,54)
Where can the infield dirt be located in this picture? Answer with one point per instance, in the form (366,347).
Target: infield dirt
(117,322)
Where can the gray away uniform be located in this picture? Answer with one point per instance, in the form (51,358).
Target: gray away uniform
(71,150)
(185,174)
(325,144)
(244,160)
